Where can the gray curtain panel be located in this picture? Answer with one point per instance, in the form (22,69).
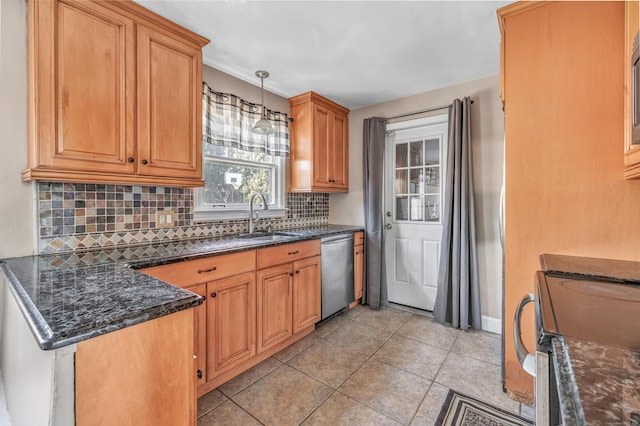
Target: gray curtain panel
(375,288)
(458,298)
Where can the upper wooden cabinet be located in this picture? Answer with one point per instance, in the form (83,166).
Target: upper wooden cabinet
(114,95)
(632,91)
(319,145)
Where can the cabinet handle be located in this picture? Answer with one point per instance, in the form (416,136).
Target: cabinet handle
(144,161)
(290,274)
(130,159)
(213,294)
(294,252)
(199,374)
(202,271)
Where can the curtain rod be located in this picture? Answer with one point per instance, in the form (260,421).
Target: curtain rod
(418,112)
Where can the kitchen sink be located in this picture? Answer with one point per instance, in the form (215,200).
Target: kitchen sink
(266,236)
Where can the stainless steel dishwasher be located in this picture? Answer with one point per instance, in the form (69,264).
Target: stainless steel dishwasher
(337,273)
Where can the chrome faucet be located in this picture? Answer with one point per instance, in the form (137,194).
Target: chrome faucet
(252,219)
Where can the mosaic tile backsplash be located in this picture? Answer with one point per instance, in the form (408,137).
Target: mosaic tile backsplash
(75,216)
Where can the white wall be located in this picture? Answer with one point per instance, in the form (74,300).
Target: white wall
(26,370)
(487,132)
(16,198)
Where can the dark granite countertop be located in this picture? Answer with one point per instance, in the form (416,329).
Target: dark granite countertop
(67,298)
(598,384)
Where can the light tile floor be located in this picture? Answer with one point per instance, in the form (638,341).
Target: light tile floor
(364,367)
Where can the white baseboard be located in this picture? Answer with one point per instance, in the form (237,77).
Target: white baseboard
(492,325)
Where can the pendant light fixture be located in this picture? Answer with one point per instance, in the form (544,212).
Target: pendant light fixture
(263,127)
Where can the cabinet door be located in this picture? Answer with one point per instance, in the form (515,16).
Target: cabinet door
(82,95)
(200,333)
(358,270)
(339,154)
(274,305)
(231,322)
(306,293)
(169,106)
(322,135)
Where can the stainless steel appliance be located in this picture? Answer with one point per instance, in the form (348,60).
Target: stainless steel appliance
(337,273)
(584,298)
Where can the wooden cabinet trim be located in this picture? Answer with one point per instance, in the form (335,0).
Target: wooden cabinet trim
(317,99)
(185,273)
(287,253)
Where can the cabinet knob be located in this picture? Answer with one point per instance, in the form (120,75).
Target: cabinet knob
(291,274)
(130,159)
(144,161)
(298,271)
(213,294)
(199,374)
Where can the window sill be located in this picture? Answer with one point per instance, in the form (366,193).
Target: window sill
(220,214)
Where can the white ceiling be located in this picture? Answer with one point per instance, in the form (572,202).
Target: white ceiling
(357,53)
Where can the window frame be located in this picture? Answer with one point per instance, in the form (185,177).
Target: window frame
(205,212)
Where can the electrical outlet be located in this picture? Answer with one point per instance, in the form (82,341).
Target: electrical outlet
(164,218)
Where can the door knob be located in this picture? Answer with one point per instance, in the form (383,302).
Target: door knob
(388,226)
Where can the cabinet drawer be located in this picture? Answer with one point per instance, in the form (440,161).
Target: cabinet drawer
(202,270)
(287,253)
(358,238)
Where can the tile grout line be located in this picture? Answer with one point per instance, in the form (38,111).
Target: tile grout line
(369,357)
(435,376)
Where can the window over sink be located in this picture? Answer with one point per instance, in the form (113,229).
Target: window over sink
(238,163)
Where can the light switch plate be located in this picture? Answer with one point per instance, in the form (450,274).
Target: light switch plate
(165,218)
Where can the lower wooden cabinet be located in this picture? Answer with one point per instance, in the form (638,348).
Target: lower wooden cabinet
(306,293)
(248,315)
(231,322)
(274,305)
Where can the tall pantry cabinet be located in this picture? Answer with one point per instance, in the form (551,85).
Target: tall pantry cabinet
(562,84)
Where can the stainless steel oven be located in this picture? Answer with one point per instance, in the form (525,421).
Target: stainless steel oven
(583,298)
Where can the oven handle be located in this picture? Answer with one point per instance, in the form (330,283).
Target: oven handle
(527,360)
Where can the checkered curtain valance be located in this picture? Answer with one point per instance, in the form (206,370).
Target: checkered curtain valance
(227,120)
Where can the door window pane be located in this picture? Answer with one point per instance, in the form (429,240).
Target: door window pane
(401,155)
(432,152)
(402,208)
(432,180)
(401,182)
(432,208)
(416,153)
(416,209)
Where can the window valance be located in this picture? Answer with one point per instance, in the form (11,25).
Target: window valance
(227,120)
